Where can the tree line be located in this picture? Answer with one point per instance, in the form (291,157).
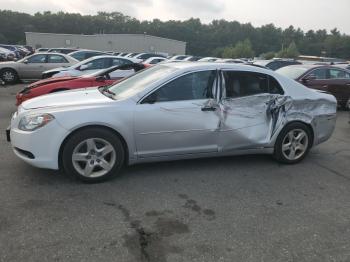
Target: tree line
(219,38)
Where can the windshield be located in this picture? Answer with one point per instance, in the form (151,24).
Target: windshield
(139,81)
(292,72)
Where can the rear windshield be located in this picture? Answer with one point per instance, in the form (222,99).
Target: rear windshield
(292,72)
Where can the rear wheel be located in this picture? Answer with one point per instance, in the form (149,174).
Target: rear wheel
(293,143)
(93,155)
(9,76)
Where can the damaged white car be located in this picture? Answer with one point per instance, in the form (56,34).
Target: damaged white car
(172,111)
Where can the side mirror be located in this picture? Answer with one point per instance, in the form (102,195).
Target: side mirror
(309,78)
(25,61)
(84,67)
(151,99)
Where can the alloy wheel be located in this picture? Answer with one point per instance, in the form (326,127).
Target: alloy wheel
(93,157)
(295,144)
(8,76)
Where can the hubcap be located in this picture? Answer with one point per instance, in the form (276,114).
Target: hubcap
(94,157)
(295,144)
(8,76)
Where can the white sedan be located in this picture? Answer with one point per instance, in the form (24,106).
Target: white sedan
(92,65)
(172,111)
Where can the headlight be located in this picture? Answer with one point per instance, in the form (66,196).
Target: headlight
(33,122)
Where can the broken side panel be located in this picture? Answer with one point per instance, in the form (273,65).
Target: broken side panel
(246,122)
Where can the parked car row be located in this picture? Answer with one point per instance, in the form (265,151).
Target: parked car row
(14,52)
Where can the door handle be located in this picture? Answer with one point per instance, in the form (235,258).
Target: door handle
(208,108)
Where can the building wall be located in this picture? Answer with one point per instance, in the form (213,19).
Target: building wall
(108,42)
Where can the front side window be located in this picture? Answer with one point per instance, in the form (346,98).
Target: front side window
(56,59)
(79,56)
(338,74)
(36,59)
(120,62)
(239,84)
(100,63)
(193,86)
(320,73)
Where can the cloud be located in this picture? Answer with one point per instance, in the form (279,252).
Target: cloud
(325,14)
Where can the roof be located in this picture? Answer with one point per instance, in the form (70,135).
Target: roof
(215,65)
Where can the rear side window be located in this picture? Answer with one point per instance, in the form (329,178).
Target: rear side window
(319,73)
(120,62)
(239,84)
(338,74)
(56,59)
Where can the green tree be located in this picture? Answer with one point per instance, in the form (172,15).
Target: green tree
(243,49)
(268,55)
(290,52)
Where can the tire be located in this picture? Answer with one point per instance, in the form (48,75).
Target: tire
(93,155)
(289,141)
(9,76)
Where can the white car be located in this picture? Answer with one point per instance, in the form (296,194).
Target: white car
(172,111)
(154,60)
(92,65)
(208,59)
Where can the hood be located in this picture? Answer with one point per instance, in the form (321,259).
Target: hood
(78,97)
(50,81)
(8,63)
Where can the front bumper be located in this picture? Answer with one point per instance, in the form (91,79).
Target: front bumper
(39,148)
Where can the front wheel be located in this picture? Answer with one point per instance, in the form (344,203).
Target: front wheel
(93,155)
(9,76)
(293,143)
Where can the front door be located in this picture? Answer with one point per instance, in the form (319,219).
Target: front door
(32,67)
(317,79)
(181,117)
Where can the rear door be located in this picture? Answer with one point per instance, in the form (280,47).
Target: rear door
(246,122)
(339,85)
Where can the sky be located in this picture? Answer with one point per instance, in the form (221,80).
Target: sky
(306,14)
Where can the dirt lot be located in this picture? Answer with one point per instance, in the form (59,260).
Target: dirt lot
(227,209)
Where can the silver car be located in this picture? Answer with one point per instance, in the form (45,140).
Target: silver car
(32,67)
(172,111)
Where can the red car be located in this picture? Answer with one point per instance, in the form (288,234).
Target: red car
(331,79)
(52,85)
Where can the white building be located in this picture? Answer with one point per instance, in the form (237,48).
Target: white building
(108,42)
